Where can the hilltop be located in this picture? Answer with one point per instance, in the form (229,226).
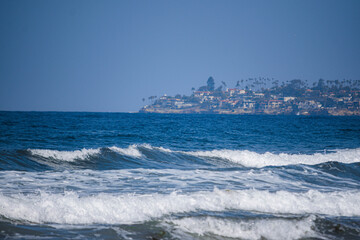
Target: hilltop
(265,96)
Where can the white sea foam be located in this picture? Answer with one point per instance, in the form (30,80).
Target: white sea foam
(68,156)
(253,159)
(84,153)
(131,151)
(71,208)
(161,149)
(165,181)
(243,157)
(251,229)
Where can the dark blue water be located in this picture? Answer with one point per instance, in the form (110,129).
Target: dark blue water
(151,176)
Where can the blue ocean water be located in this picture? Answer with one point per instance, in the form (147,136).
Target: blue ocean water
(164,176)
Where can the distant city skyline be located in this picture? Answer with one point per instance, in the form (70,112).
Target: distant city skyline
(108,55)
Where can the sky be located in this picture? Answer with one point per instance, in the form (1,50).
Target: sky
(106,56)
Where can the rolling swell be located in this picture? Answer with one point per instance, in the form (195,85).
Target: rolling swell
(147,156)
(20,161)
(133,156)
(252,159)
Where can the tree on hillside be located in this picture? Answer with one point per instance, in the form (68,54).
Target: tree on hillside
(203,88)
(295,88)
(320,85)
(210,84)
(219,89)
(152,98)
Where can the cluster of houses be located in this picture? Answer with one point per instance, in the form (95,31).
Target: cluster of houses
(241,101)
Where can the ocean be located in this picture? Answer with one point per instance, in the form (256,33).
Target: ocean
(163,176)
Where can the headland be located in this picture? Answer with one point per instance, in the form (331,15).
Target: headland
(256,96)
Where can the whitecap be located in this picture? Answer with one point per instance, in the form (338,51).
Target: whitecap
(252,159)
(161,149)
(68,156)
(131,151)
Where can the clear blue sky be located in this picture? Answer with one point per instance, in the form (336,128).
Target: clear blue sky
(108,55)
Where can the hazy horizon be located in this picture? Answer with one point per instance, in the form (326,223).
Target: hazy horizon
(90,56)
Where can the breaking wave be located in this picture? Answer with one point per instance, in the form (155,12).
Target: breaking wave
(252,159)
(242,157)
(70,156)
(250,229)
(131,151)
(72,208)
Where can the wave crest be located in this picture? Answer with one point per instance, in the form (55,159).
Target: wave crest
(242,157)
(252,159)
(131,151)
(68,156)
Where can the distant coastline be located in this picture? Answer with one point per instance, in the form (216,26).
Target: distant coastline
(264,96)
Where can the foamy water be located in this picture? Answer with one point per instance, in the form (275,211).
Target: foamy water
(65,155)
(71,208)
(70,156)
(248,229)
(131,151)
(244,158)
(253,159)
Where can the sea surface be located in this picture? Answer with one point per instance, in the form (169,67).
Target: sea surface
(163,176)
